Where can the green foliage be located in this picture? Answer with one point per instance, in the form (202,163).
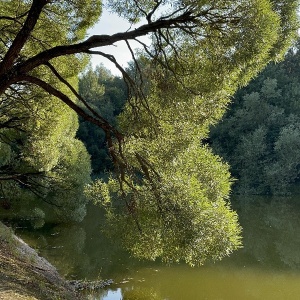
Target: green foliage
(169,194)
(174,190)
(55,165)
(47,166)
(68,21)
(106,94)
(177,210)
(180,216)
(259,136)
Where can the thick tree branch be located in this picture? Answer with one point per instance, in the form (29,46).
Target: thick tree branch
(53,91)
(109,131)
(23,35)
(11,76)
(64,81)
(18,177)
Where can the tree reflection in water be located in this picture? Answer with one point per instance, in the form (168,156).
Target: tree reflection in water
(267,267)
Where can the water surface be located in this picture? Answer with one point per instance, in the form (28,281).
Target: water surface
(267,268)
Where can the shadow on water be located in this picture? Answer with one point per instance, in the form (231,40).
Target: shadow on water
(267,267)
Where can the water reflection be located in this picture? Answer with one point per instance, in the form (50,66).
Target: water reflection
(268,267)
(108,294)
(271,231)
(127,293)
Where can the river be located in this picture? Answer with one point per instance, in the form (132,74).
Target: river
(266,268)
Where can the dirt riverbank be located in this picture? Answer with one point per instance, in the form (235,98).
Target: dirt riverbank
(26,276)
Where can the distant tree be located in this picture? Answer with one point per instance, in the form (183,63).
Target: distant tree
(259,136)
(107,95)
(173,190)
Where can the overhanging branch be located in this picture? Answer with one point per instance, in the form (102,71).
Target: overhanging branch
(109,131)
(53,91)
(23,35)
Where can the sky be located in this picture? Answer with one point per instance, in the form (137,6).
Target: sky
(110,24)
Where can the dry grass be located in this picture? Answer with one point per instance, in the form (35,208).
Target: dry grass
(26,276)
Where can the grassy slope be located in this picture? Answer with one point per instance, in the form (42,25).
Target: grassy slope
(26,276)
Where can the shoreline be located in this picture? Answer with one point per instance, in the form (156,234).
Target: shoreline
(25,275)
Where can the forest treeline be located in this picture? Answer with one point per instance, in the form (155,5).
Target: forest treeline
(259,136)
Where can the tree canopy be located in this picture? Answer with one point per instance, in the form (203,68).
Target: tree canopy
(259,135)
(173,190)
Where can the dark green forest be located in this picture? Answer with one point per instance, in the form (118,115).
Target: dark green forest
(259,134)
